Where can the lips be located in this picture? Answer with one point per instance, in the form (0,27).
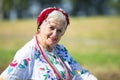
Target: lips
(52,39)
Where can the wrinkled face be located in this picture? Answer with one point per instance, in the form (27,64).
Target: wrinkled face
(51,32)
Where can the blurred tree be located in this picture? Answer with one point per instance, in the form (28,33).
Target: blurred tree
(114,5)
(88,7)
(18,5)
(78,7)
(49,3)
(1,10)
(21,7)
(7,4)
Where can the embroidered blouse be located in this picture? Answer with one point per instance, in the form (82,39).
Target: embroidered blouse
(30,64)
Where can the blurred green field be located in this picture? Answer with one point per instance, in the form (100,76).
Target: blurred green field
(93,41)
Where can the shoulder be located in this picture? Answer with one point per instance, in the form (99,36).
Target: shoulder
(60,47)
(26,51)
(65,55)
(62,51)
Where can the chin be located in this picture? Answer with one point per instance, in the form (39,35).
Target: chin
(52,44)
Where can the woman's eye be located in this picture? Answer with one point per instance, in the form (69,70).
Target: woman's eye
(60,31)
(51,28)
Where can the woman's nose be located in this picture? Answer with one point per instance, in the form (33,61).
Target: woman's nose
(55,33)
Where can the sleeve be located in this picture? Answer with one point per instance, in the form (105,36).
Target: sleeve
(20,67)
(80,72)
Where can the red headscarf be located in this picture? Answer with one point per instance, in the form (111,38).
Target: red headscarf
(44,14)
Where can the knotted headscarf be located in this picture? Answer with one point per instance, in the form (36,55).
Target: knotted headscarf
(44,14)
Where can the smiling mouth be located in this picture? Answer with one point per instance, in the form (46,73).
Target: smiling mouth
(53,39)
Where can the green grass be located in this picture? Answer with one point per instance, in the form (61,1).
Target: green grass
(98,59)
(94,42)
(6,57)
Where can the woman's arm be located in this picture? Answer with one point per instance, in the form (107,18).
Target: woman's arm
(20,67)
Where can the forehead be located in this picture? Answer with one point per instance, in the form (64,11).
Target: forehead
(56,23)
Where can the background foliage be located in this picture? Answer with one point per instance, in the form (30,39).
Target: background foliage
(22,8)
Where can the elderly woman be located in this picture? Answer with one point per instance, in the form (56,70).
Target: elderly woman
(43,58)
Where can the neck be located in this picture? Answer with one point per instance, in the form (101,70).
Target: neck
(41,42)
(48,48)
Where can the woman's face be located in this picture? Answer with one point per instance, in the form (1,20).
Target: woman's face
(51,32)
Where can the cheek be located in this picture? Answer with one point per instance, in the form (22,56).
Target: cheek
(59,38)
(44,31)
